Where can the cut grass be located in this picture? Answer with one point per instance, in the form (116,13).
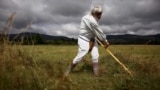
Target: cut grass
(42,67)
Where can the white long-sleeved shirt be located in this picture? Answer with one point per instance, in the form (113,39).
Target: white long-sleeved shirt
(90,29)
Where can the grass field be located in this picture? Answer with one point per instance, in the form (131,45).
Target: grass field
(42,68)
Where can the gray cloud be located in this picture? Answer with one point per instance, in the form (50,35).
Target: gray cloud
(132,16)
(69,7)
(62,17)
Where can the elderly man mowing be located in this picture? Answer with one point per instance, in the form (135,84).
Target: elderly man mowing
(89,30)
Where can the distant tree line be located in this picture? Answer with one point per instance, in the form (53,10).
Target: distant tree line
(40,39)
(37,39)
(134,39)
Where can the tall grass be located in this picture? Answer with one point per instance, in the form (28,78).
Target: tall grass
(16,65)
(26,69)
(38,67)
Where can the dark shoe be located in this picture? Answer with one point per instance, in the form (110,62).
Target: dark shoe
(70,68)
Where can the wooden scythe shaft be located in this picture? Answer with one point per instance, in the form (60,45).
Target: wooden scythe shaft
(125,68)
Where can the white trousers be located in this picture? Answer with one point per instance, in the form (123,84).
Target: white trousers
(83,50)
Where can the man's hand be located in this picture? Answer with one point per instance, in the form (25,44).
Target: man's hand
(106,44)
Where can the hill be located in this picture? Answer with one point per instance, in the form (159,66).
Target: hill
(36,38)
(113,39)
(134,39)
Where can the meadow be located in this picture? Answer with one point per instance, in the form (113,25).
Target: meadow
(42,67)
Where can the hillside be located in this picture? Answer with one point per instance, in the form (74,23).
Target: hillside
(113,39)
(134,39)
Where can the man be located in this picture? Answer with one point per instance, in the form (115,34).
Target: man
(89,30)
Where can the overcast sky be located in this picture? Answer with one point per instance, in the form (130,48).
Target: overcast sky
(62,17)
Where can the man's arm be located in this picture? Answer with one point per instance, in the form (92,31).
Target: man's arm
(100,35)
(98,32)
